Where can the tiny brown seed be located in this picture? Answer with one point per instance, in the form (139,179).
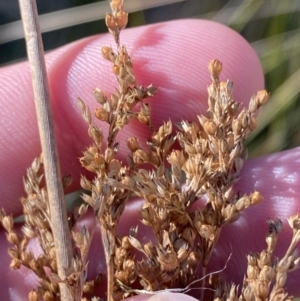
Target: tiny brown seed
(262,97)
(256,198)
(99,95)
(215,67)
(110,22)
(210,127)
(133,144)
(101,114)
(122,19)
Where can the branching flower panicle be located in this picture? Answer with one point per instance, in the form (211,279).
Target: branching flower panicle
(206,165)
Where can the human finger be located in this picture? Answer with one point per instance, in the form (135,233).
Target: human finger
(173,56)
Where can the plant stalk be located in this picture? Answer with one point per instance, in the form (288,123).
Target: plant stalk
(59,221)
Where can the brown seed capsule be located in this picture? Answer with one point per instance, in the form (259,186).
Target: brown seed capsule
(256,198)
(207,232)
(13,238)
(126,243)
(52,253)
(213,148)
(122,72)
(105,52)
(176,158)
(215,67)
(108,155)
(284,264)
(210,127)
(267,273)
(245,121)
(116,69)
(15,264)
(248,294)
(271,240)
(78,238)
(111,22)
(143,118)
(122,19)
(13,253)
(108,53)
(154,158)
(33,296)
(294,221)
(223,146)
(140,156)
(129,80)
(89,287)
(252,271)
(262,97)
(99,95)
(223,88)
(131,183)
(252,260)
(190,167)
(123,56)
(48,236)
(230,213)
(24,243)
(237,126)
(252,124)
(67,181)
(53,264)
(133,144)
(8,222)
(116,5)
(183,253)
(28,231)
(242,203)
(101,114)
(229,87)
(253,104)
(281,279)
(114,166)
(264,259)
(48,296)
(95,133)
(167,259)
(233,108)
(114,99)
(43,260)
(261,289)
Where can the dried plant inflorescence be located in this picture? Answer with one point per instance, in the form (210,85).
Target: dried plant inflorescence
(207,164)
(38,226)
(263,269)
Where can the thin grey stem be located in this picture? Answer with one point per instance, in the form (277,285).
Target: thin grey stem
(59,222)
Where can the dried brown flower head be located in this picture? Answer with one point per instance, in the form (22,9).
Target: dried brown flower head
(207,164)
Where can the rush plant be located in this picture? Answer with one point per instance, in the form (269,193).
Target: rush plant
(205,164)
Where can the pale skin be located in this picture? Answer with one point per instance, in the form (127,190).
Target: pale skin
(174,57)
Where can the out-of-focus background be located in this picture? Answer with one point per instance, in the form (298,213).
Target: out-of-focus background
(272,27)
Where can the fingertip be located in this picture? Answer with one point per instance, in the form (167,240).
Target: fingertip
(276,176)
(172,55)
(163,297)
